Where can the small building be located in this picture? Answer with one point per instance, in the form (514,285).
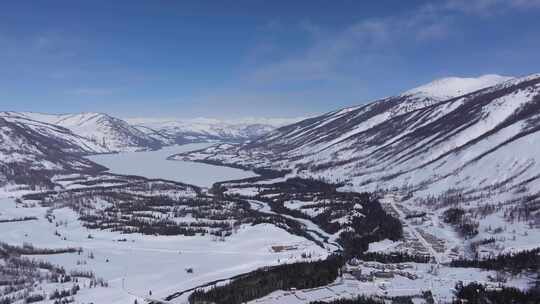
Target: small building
(383,274)
(357,274)
(281,248)
(404,266)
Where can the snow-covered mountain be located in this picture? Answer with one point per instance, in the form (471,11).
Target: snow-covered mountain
(72,143)
(110,133)
(91,133)
(31,153)
(477,152)
(36,146)
(171,131)
(449,87)
(485,138)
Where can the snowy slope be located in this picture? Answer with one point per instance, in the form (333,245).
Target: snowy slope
(481,139)
(31,158)
(73,142)
(446,88)
(111,133)
(478,152)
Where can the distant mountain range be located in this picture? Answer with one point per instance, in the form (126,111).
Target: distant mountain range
(98,133)
(175,131)
(36,146)
(91,133)
(453,133)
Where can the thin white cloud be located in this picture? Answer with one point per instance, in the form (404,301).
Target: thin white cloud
(330,52)
(90,91)
(44,41)
(433,32)
(525,3)
(485,7)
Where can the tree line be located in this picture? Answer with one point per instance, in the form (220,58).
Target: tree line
(264,281)
(528,260)
(475,293)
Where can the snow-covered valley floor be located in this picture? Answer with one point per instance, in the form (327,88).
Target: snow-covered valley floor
(149,263)
(135,265)
(147,267)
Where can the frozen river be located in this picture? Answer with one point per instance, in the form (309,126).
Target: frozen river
(154,164)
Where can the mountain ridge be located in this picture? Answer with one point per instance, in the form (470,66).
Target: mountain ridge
(318,135)
(206,129)
(476,153)
(97,132)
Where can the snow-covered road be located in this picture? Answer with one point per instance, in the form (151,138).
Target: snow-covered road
(391,199)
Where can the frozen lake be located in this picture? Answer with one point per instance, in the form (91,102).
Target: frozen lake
(154,164)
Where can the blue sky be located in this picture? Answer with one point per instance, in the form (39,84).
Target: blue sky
(250,58)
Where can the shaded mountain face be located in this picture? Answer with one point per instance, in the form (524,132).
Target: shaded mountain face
(31,157)
(485,139)
(72,143)
(111,134)
(36,147)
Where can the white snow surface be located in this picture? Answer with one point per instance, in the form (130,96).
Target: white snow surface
(145,263)
(449,87)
